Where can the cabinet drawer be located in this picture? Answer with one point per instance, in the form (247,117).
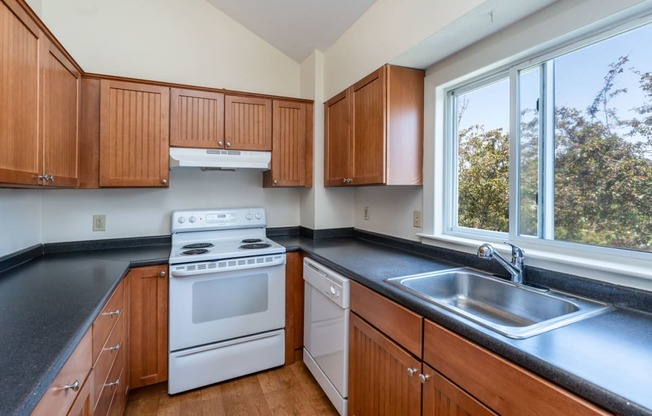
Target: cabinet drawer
(112,386)
(107,319)
(108,356)
(397,322)
(58,399)
(503,386)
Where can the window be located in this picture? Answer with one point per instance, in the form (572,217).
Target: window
(558,149)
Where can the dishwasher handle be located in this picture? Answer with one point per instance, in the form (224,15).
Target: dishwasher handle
(329,283)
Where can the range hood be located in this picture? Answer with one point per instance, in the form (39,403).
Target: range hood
(217,159)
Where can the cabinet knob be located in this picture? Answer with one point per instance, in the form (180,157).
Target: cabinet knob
(74,386)
(228,144)
(162,274)
(412,371)
(424,377)
(345,180)
(275,181)
(51,178)
(220,143)
(164,182)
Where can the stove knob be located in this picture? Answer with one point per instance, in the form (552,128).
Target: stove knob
(181,220)
(258,216)
(192,219)
(249,217)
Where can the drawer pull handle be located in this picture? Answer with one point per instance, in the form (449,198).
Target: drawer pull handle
(424,378)
(115,383)
(412,371)
(112,313)
(114,348)
(74,386)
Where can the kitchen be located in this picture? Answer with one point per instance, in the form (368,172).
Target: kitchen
(144,47)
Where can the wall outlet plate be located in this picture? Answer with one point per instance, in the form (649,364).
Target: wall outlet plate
(99,222)
(416,219)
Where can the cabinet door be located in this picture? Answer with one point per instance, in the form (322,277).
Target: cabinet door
(196,119)
(294,301)
(337,140)
(134,134)
(379,380)
(443,398)
(247,123)
(20,142)
(368,100)
(148,329)
(61,91)
(288,144)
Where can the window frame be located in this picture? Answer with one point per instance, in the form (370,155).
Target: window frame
(543,248)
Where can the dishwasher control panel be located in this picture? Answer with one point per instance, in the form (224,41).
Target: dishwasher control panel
(332,284)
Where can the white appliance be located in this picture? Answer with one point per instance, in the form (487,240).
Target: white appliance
(326,330)
(227,297)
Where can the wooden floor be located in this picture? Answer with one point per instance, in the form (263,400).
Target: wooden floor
(287,390)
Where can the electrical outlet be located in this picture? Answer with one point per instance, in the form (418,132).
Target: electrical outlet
(367,213)
(99,222)
(416,219)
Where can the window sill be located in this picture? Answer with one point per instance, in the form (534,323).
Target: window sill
(632,273)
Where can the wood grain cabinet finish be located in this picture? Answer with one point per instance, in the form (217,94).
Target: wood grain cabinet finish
(294,301)
(247,123)
(291,145)
(61,94)
(443,398)
(148,325)
(503,386)
(134,134)
(374,130)
(39,105)
(70,383)
(383,377)
(196,119)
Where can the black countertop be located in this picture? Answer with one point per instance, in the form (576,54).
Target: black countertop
(606,359)
(46,306)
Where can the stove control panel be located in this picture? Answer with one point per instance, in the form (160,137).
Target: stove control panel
(218,219)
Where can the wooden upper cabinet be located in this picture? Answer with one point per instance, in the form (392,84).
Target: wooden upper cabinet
(20,139)
(196,119)
(337,133)
(247,123)
(291,144)
(368,124)
(382,116)
(61,92)
(134,134)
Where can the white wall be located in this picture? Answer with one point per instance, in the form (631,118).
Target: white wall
(390,209)
(67,214)
(20,219)
(182,41)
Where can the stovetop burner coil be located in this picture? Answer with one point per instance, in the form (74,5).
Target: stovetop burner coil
(255,245)
(195,252)
(198,245)
(251,240)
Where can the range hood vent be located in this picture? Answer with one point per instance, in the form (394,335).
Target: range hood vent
(216,159)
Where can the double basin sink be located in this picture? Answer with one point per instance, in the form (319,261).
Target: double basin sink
(514,310)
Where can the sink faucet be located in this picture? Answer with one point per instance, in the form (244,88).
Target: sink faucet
(515,268)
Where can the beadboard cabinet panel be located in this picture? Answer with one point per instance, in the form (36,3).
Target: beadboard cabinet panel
(247,123)
(134,134)
(196,119)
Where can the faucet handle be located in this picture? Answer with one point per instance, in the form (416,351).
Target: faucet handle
(517,252)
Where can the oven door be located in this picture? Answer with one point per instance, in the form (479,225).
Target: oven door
(208,306)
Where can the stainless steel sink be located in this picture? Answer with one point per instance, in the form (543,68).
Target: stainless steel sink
(513,310)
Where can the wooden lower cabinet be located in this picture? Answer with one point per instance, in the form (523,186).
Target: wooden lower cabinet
(148,325)
(294,301)
(83,405)
(443,398)
(383,377)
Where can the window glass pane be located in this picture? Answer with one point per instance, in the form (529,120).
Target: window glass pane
(482,120)
(603,143)
(529,132)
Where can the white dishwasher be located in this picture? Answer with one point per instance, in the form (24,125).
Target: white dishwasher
(326,330)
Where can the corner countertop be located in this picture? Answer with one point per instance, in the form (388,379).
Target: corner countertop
(46,306)
(606,359)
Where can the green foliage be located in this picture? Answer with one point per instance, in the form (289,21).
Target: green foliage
(603,172)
